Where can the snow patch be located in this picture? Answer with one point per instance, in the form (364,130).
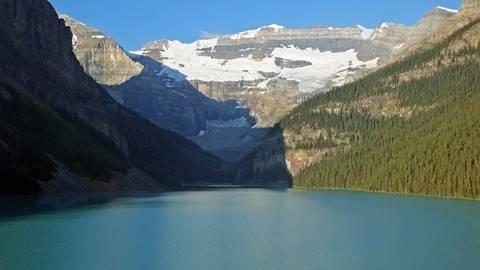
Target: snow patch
(264,84)
(399,46)
(448,9)
(366,32)
(185,62)
(275,27)
(180,94)
(324,65)
(206,43)
(253,33)
(142,51)
(235,123)
(172,74)
(98,36)
(74,41)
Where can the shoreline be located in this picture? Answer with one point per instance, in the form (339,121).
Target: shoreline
(405,194)
(118,194)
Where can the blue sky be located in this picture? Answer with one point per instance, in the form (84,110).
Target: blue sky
(135,22)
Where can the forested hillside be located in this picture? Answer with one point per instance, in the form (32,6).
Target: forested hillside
(410,127)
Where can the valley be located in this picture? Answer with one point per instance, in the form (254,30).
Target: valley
(307,146)
(317,107)
(227,93)
(409,127)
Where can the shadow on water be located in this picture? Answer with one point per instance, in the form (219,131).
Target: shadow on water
(14,207)
(253,157)
(26,206)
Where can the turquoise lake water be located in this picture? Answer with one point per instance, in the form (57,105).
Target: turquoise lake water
(246,229)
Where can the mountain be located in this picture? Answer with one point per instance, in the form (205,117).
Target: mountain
(134,81)
(470,6)
(273,68)
(100,56)
(468,11)
(411,126)
(61,131)
(226,93)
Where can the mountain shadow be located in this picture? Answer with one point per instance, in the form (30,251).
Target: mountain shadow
(164,96)
(60,131)
(253,156)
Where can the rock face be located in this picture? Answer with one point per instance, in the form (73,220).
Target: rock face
(429,24)
(314,141)
(100,56)
(469,11)
(176,107)
(324,152)
(40,50)
(61,131)
(273,68)
(257,75)
(470,5)
(137,82)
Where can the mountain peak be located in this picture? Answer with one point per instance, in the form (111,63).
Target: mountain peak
(253,33)
(274,26)
(100,56)
(446,9)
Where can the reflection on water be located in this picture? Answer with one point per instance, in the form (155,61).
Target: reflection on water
(239,229)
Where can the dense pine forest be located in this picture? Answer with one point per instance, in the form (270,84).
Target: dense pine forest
(412,126)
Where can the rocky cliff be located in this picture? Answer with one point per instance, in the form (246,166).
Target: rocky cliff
(408,127)
(36,49)
(470,5)
(61,131)
(100,56)
(136,82)
(468,11)
(211,89)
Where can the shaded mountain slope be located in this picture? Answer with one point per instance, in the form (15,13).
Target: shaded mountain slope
(60,130)
(274,68)
(134,81)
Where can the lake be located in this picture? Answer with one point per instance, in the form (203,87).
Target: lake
(244,229)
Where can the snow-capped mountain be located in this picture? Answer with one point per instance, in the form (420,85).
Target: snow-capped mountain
(272,68)
(215,90)
(134,82)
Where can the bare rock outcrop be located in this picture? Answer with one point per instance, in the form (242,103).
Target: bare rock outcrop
(100,56)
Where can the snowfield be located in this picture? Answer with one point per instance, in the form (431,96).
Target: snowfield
(187,59)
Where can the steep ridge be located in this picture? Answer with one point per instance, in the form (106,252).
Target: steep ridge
(470,6)
(100,56)
(134,82)
(469,11)
(273,68)
(59,130)
(410,127)
(252,78)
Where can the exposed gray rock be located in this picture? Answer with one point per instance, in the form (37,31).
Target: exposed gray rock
(100,56)
(285,63)
(428,24)
(56,122)
(469,5)
(42,49)
(175,96)
(137,82)
(371,46)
